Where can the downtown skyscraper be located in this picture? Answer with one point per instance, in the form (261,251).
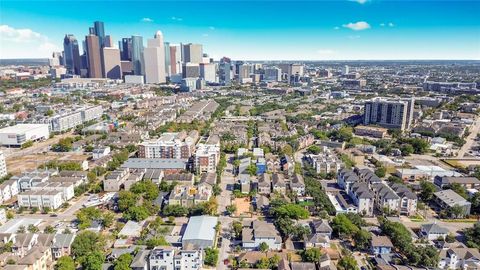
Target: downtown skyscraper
(154,57)
(72,55)
(138,64)
(93,57)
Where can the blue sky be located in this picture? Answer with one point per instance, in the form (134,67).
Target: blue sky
(257,30)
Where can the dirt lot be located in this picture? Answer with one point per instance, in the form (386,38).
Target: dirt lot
(243,206)
(32,161)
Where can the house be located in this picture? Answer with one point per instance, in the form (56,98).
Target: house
(459,258)
(244,181)
(433,231)
(179,178)
(288,165)
(61,245)
(100,152)
(264,184)
(408,199)
(116,180)
(23,243)
(200,232)
(449,198)
(466,182)
(140,261)
(302,266)
(169,258)
(259,231)
(316,240)
(297,185)
(39,258)
(381,245)
(278,183)
(322,227)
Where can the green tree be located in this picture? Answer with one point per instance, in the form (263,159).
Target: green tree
(311,255)
(428,188)
(362,239)
(347,263)
(381,171)
(93,261)
(49,229)
(174,210)
(123,262)
(263,247)
(65,263)
(211,256)
(237,228)
(343,226)
(85,243)
(156,241)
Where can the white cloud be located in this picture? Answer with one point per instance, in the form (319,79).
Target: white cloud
(391,24)
(24,43)
(177,18)
(382,24)
(359,1)
(147,20)
(358,26)
(336,28)
(211,28)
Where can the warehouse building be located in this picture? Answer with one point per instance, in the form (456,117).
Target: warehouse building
(200,233)
(19,134)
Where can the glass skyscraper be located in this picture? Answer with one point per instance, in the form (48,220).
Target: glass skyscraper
(100,33)
(72,54)
(137,56)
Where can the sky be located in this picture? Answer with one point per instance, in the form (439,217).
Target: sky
(256,30)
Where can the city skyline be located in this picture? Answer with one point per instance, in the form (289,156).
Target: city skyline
(265,30)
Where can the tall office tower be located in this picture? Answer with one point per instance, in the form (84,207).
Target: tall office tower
(225,71)
(208,71)
(91,31)
(238,64)
(111,63)
(190,70)
(108,41)
(72,54)
(138,63)
(192,53)
(243,72)
(389,113)
(126,49)
(93,57)
(346,69)
(154,55)
(56,59)
(173,59)
(100,32)
(273,74)
(167,58)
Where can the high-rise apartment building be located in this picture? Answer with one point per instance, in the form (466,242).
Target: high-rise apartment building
(272,74)
(126,46)
(168,59)
(111,63)
(243,72)
(93,57)
(208,71)
(192,53)
(138,63)
(225,71)
(154,58)
(175,59)
(169,145)
(71,55)
(190,70)
(100,32)
(389,113)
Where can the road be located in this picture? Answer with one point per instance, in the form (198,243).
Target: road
(224,200)
(453,227)
(470,138)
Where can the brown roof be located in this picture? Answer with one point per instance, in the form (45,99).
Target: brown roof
(381,241)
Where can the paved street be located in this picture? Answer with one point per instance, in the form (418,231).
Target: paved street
(224,200)
(470,139)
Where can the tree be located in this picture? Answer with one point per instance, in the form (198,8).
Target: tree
(126,199)
(289,210)
(211,256)
(21,229)
(311,255)
(394,180)
(156,241)
(137,213)
(49,229)
(472,236)
(456,211)
(107,219)
(93,261)
(362,239)
(32,228)
(174,210)
(237,228)
(263,247)
(85,243)
(380,172)
(231,209)
(407,149)
(65,263)
(343,226)
(347,263)
(428,189)
(314,149)
(123,262)
(460,190)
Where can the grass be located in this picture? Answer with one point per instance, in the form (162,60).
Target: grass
(460,220)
